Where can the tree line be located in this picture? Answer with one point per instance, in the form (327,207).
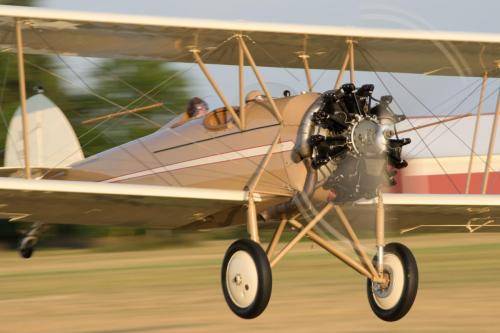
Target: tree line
(83,89)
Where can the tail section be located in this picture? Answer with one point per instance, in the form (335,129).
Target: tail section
(53,142)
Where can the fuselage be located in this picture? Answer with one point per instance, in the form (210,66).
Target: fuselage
(197,155)
(206,153)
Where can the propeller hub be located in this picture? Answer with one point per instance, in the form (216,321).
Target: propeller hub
(368,137)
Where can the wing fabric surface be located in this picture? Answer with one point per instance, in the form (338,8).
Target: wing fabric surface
(75,202)
(440,212)
(273,45)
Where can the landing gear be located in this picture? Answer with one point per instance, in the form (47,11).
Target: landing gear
(27,244)
(392,275)
(391,300)
(246,278)
(27,247)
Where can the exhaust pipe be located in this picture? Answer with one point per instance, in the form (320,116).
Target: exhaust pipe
(302,148)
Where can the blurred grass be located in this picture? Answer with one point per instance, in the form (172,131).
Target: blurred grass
(177,289)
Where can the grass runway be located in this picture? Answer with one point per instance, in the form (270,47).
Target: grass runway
(178,290)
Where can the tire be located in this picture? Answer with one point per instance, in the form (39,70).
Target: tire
(26,253)
(246,278)
(394,301)
(26,248)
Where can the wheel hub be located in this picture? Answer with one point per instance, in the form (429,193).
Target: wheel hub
(242,279)
(383,289)
(238,279)
(389,296)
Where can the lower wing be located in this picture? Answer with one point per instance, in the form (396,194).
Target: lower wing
(91,203)
(439,212)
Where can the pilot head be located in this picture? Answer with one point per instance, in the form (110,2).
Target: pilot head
(197,107)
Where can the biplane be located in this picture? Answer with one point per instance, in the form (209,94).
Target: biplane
(278,161)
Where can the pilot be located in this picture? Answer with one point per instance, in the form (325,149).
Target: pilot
(196,107)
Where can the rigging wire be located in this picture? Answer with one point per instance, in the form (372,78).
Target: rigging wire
(455,123)
(447,115)
(426,107)
(411,123)
(332,61)
(457,93)
(270,56)
(88,87)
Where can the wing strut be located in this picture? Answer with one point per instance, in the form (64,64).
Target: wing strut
(199,61)
(491,147)
(241,84)
(251,61)
(305,59)
(252,226)
(22,95)
(350,42)
(476,130)
(348,60)
(380,232)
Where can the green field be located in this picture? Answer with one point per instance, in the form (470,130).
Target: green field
(177,290)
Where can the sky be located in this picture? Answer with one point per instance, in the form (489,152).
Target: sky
(470,16)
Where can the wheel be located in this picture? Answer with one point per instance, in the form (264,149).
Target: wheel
(246,278)
(26,247)
(392,301)
(26,253)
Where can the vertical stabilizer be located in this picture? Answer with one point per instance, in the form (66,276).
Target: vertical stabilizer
(53,142)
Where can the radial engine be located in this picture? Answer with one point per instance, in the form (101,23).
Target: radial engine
(351,140)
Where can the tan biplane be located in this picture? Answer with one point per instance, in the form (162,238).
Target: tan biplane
(279,161)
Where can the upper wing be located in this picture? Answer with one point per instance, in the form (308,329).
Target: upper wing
(440,212)
(276,45)
(75,202)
